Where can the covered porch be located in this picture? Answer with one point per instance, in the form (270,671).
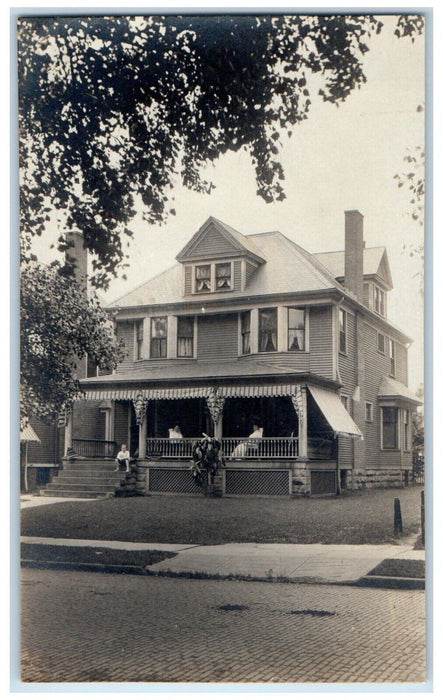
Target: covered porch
(299,427)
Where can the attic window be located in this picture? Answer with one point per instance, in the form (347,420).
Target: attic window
(223,276)
(203,278)
(379,301)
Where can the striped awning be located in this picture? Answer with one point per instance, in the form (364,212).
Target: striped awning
(130,394)
(28,434)
(257,390)
(335,413)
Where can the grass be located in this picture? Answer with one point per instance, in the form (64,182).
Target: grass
(401,568)
(91,555)
(354,518)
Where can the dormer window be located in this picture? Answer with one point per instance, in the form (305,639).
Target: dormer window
(202,278)
(223,276)
(379,301)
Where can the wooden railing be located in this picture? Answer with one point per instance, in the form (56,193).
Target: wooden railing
(241,448)
(94,448)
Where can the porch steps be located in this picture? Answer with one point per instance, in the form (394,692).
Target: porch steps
(85,478)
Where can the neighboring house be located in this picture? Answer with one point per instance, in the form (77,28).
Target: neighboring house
(253,329)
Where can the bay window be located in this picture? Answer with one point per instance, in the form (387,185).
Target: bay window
(389,436)
(159,337)
(245,330)
(139,340)
(267,325)
(185,336)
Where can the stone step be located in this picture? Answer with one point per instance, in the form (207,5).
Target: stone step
(76,493)
(93,481)
(91,473)
(84,486)
(88,463)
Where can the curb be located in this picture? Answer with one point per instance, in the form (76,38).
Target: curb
(391,582)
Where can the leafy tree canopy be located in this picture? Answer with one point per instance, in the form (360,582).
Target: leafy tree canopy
(59,325)
(113,110)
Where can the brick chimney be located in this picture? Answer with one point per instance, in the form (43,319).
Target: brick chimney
(354,246)
(77,255)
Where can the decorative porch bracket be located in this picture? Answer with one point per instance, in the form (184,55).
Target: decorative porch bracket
(215,404)
(140,406)
(299,401)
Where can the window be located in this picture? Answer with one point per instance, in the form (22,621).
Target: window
(223,276)
(389,428)
(203,278)
(296,329)
(392,357)
(368,412)
(267,341)
(345,401)
(342,330)
(245,327)
(406,429)
(91,367)
(379,301)
(185,336)
(381,343)
(159,336)
(139,340)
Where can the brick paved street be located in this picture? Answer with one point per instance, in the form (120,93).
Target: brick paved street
(104,627)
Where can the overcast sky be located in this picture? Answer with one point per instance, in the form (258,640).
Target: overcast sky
(340,158)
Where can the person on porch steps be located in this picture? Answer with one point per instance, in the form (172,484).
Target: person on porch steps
(122,459)
(251,444)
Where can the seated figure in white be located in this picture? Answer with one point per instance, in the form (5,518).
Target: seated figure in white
(175,433)
(251,443)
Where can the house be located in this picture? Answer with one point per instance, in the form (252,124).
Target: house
(253,329)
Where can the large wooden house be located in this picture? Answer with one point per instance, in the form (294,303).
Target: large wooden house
(254,330)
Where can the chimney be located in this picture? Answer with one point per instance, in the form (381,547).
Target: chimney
(77,256)
(354,253)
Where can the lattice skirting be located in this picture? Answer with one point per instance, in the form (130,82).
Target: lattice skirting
(172,481)
(257,482)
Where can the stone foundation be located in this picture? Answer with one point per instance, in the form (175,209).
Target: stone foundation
(376,478)
(300,481)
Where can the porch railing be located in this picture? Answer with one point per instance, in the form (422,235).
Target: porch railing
(93,448)
(243,448)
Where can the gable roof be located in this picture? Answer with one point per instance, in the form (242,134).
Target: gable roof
(235,241)
(375,262)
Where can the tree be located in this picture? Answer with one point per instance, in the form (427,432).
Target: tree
(59,325)
(113,110)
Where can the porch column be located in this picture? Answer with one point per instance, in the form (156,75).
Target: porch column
(140,406)
(299,401)
(215,404)
(68,430)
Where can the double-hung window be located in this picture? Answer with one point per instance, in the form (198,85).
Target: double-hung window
(203,278)
(406,429)
(159,337)
(379,301)
(245,320)
(368,411)
(139,340)
(389,428)
(381,343)
(392,357)
(342,330)
(296,329)
(185,336)
(267,330)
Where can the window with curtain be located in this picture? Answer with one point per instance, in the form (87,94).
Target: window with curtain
(379,301)
(159,336)
(389,428)
(139,339)
(406,429)
(203,278)
(185,336)
(267,341)
(342,330)
(296,329)
(245,332)
(223,276)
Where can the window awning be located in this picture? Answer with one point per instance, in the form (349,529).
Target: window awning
(335,413)
(257,390)
(129,394)
(28,434)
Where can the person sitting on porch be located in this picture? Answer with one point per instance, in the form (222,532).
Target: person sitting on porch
(251,444)
(175,433)
(123,459)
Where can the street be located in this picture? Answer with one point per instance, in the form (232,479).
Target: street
(90,627)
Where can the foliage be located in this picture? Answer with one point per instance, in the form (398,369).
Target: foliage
(206,456)
(59,326)
(113,110)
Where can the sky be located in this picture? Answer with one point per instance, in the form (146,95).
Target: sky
(338,159)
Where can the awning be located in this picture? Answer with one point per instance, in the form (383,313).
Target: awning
(130,394)
(257,390)
(335,413)
(28,434)
(393,389)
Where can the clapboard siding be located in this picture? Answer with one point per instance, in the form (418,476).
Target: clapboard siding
(87,420)
(377,365)
(121,422)
(401,361)
(217,337)
(237,275)
(47,451)
(347,370)
(297,361)
(320,341)
(188,279)
(250,269)
(213,244)
(125,330)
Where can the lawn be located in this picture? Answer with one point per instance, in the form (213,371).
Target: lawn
(354,518)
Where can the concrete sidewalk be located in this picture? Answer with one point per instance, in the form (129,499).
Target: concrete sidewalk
(309,563)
